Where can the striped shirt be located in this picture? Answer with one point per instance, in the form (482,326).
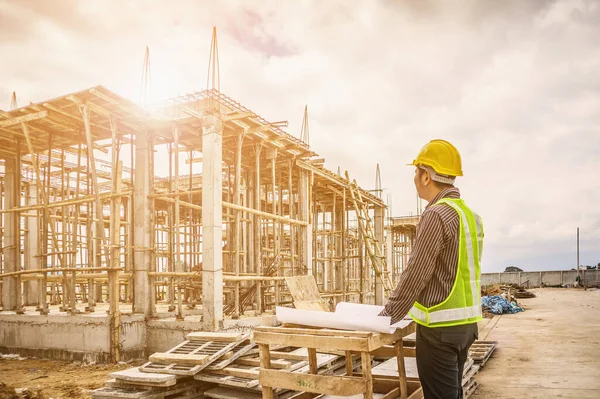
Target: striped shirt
(433,263)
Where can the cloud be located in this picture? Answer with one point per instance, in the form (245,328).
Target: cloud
(514,84)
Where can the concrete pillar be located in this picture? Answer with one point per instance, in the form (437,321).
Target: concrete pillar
(379,222)
(11,233)
(212,223)
(32,261)
(143,301)
(306,232)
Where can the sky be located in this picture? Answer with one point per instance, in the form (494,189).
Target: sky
(513,84)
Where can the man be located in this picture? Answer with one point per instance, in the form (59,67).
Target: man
(440,287)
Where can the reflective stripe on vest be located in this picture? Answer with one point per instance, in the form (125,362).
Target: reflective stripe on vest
(465,314)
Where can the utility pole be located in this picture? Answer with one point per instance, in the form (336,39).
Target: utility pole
(578,253)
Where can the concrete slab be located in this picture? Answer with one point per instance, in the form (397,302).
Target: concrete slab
(551,350)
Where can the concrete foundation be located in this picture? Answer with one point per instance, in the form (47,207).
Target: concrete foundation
(83,338)
(86,337)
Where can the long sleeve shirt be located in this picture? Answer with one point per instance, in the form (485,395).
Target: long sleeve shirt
(433,263)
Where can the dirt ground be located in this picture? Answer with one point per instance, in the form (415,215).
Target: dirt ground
(55,379)
(552,350)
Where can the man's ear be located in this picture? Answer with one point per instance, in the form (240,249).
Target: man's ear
(426,177)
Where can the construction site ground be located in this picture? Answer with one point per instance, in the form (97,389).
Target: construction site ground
(551,350)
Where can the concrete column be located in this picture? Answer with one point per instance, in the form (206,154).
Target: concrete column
(306,236)
(379,292)
(143,302)
(212,223)
(11,233)
(32,261)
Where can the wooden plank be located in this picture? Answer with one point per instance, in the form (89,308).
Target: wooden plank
(333,385)
(241,349)
(276,364)
(227,380)
(214,336)
(135,375)
(340,342)
(228,393)
(194,360)
(23,118)
(238,372)
(288,356)
(305,293)
(317,331)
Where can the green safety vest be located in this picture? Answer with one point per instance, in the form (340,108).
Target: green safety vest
(463,304)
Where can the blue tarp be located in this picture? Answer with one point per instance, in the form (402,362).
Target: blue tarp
(498,305)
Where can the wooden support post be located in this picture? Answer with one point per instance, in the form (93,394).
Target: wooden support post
(272,156)
(237,227)
(76,229)
(379,224)
(115,256)
(312,361)
(292,216)
(343,254)
(401,368)
(389,253)
(212,217)
(171,237)
(63,234)
(349,368)
(178,260)
(265,363)
(256,225)
(367,375)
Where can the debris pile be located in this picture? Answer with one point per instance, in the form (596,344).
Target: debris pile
(498,305)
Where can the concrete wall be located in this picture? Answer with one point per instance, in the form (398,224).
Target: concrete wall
(82,338)
(58,337)
(537,279)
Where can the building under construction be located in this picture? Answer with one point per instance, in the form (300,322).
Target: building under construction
(122,222)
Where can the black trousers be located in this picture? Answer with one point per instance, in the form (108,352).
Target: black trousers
(441,356)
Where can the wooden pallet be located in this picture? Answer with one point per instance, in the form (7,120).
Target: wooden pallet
(241,349)
(190,357)
(115,390)
(481,351)
(470,388)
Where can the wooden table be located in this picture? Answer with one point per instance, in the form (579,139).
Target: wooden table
(357,343)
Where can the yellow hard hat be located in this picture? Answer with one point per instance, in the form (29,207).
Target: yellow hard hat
(441,156)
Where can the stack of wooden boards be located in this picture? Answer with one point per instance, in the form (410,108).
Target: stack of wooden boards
(212,365)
